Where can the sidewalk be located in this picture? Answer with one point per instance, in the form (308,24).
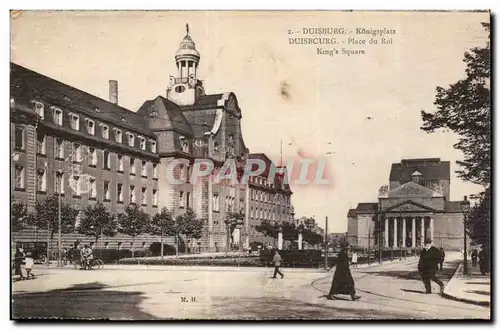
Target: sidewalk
(473,288)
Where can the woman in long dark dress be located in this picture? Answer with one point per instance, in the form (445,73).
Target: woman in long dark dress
(343,283)
(18,261)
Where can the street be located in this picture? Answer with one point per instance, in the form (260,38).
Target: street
(390,291)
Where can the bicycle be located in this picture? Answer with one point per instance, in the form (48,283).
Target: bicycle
(94,264)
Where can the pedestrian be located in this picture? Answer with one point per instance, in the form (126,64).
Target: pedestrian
(428,266)
(474,258)
(28,265)
(484,260)
(441,260)
(18,261)
(343,283)
(354,260)
(277,264)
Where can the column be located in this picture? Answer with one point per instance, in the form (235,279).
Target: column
(404,232)
(300,240)
(413,232)
(386,236)
(395,233)
(280,241)
(431,228)
(422,231)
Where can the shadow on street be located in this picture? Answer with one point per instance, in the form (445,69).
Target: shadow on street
(413,274)
(82,301)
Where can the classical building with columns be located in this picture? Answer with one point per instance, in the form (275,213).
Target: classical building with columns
(414,206)
(89,150)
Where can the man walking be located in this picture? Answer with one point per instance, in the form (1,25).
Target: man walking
(277,263)
(428,266)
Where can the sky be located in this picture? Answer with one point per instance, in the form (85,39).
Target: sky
(364,110)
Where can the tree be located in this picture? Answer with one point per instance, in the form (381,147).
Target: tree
(162,224)
(46,216)
(464,108)
(479,228)
(18,216)
(97,221)
(189,225)
(267,229)
(311,237)
(133,222)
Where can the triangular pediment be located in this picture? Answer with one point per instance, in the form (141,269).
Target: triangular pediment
(412,189)
(409,206)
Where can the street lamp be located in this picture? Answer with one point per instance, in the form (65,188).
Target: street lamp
(465,206)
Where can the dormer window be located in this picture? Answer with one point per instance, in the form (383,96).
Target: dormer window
(416,177)
(39,108)
(153,114)
(104,130)
(57,115)
(118,135)
(90,126)
(185,146)
(142,142)
(130,137)
(74,120)
(153,145)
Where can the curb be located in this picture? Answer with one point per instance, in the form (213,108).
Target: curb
(465,300)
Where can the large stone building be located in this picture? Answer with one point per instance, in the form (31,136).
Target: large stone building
(415,205)
(88,149)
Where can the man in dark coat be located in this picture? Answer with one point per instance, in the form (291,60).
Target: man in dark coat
(343,283)
(428,266)
(473,256)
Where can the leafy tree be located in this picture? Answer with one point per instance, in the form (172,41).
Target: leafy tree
(479,229)
(267,229)
(97,221)
(465,108)
(162,224)
(311,237)
(189,225)
(18,216)
(133,222)
(289,231)
(46,216)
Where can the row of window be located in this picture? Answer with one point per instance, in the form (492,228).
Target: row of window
(263,196)
(83,183)
(90,127)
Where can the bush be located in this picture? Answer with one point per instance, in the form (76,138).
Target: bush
(168,250)
(229,261)
(294,258)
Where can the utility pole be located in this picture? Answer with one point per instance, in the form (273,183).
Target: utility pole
(380,244)
(369,238)
(59,239)
(326,247)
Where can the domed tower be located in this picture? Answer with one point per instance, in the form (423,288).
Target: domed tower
(185,88)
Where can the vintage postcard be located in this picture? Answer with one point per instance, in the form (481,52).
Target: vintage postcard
(250,165)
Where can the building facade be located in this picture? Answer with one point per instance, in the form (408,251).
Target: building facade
(66,141)
(414,206)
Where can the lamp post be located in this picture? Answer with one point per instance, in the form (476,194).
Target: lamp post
(465,206)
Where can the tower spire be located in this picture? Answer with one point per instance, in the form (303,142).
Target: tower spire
(187,28)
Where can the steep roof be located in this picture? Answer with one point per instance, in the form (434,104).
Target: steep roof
(351,213)
(164,115)
(204,102)
(431,169)
(27,85)
(366,208)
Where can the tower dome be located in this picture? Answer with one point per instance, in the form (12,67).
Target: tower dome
(187,48)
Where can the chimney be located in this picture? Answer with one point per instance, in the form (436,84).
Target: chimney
(113,91)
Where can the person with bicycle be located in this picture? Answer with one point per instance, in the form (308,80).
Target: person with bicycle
(87,257)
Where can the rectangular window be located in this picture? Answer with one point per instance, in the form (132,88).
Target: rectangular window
(107,193)
(144,197)
(107,160)
(215,202)
(41,147)
(132,194)
(155,171)
(19,177)
(118,135)
(132,166)
(19,138)
(130,137)
(74,121)
(90,126)
(76,185)
(41,184)
(92,188)
(181,199)
(188,199)
(92,156)
(153,146)
(57,116)
(59,183)
(105,131)
(77,152)
(143,170)
(142,142)
(120,163)
(39,108)
(119,193)
(155,197)
(59,152)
